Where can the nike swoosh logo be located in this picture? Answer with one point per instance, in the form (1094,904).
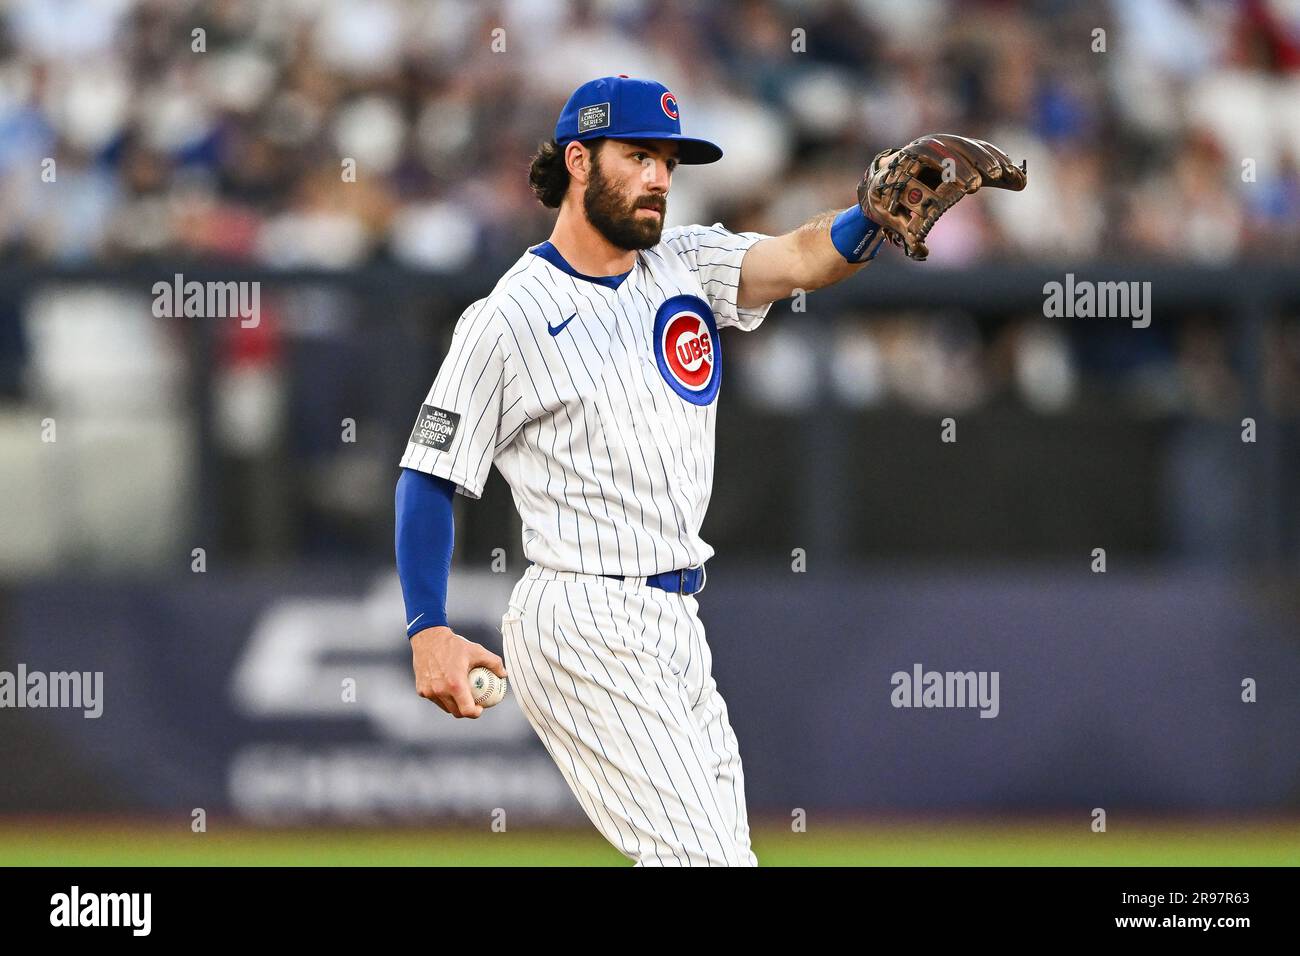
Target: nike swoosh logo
(414,619)
(557,329)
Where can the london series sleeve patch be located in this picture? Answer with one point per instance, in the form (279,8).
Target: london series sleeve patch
(435,428)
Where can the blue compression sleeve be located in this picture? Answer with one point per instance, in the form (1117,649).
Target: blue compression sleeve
(423,540)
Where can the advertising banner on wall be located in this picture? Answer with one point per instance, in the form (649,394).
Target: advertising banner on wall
(289,697)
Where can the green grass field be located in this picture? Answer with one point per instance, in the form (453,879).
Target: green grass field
(1045,843)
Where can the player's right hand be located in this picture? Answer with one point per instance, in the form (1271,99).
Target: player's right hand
(442,660)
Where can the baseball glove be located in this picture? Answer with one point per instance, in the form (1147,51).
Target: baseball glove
(907,189)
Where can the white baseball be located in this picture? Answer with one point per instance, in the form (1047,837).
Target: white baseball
(488,689)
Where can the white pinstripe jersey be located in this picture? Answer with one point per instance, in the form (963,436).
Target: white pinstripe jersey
(596,403)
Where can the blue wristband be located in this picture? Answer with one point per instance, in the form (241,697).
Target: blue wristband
(857,238)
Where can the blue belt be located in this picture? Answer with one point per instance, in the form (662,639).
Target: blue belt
(683,581)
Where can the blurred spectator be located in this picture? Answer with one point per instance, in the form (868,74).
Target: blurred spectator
(288,134)
(236,144)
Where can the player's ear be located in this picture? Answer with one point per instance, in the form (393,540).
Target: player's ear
(577,160)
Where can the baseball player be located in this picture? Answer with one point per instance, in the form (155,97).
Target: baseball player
(589,376)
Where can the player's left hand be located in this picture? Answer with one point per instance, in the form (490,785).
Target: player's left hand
(907,189)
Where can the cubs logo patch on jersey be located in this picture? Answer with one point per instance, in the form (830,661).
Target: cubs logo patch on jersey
(686,348)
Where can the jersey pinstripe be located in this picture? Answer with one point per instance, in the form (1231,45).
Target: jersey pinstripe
(591,403)
(617,681)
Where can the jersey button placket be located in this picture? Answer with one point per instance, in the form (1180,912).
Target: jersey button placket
(650,372)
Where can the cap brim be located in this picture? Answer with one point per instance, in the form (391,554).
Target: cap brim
(690,151)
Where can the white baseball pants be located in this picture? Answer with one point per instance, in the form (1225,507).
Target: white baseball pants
(616,679)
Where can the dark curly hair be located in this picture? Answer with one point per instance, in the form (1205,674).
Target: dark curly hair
(547,176)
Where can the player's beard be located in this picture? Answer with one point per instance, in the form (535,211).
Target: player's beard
(614,216)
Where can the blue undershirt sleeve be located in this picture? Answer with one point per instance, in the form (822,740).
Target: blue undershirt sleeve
(423,541)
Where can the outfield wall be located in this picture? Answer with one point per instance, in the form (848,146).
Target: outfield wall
(284,697)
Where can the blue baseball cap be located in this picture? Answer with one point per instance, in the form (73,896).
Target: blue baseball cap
(624,108)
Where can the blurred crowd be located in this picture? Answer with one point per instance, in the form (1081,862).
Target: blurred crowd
(1157,128)
(334,135)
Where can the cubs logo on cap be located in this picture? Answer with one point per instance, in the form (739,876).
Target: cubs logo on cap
(686,348)
(622,107)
